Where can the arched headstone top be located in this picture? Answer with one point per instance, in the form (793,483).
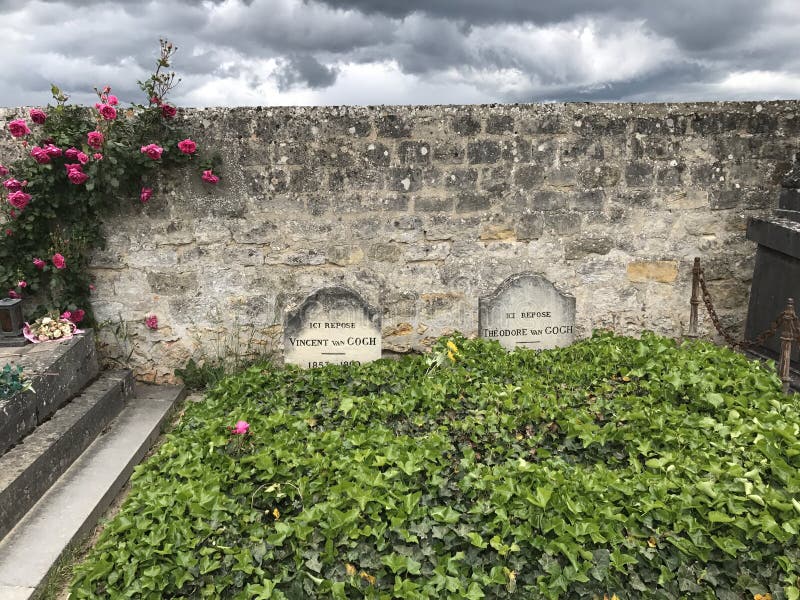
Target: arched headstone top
(527,310)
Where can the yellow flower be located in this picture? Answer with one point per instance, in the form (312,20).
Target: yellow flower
(370,579)
(451,357)
(276,513)
(351,570)
(452,346)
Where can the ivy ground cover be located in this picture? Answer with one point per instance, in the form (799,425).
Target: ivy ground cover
(617,466)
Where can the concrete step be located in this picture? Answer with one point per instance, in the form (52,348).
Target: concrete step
(58,371)
(71,508)
(31,467)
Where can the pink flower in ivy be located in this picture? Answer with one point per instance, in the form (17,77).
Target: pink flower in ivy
(66,315)
(18,128)
(19,199)
(13,294)
(82,158)
(71,153)
(187,146)
(112,100)
(95,139)
(145,194)
(59,262)
(38,116)
(40,155)
(241,428)
(152,150)
(22,283)
(209,177)
(151,321)
(168,111)
(3,171)
(108,112)
(38,263)
(97,156)
(91,287)
(77,315)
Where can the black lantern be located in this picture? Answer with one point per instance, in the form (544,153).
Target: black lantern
(10,318)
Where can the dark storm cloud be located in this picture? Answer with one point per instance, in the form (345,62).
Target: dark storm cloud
(497,50)
(304,70)
(694,24)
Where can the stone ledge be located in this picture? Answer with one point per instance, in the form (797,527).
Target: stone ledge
(30,468)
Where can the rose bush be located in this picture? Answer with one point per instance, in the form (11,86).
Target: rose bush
(77,163)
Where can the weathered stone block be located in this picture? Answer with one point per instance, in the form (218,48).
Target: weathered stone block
(528,177)
(305,180)
(415,153)
(500,124)
(563,223)
(662,271)
(465,124)
(393,126)
(483,151)
(639,174)
(587,200)
(529,226)
(449,152)
(491,232)
(405,179)
(516,150)
(546,200)
(172,284)
(582,247)
(472,201)
(433,204)
(462,179)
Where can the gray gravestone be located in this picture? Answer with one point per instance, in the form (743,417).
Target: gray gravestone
(334,325)
(527,310)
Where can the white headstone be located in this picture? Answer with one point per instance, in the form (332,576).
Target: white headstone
(334,325)
(527,310)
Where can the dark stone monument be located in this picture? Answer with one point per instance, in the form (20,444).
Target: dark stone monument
(527,310)
(777,270)
(334,325)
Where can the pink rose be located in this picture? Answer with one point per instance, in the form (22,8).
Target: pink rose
(22,283)
(82,158)
(241,428)
(40,155)
(151,321)
(112,100)
(12,185)
(155,100)
(66,315)
(146,193)
(91,287)
(209,177)
(38,263)
(97,156)
(18,128)
(73,167)
(108,112)
(59,262)
(38,116)
(153,151)
(187,146)
(3,171)
(77,177)
(77,315)
(9,232)
(52,150)
(168,111)
(95,139)
(13,294)
(19,199)
(71,153)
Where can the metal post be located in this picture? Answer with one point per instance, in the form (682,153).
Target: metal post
(787,320)
(694,303)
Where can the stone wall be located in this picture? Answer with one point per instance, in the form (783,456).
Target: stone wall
(422,209)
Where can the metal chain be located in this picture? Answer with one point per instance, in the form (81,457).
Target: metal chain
(729,339)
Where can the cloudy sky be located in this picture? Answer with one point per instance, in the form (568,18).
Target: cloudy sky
(317,52)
